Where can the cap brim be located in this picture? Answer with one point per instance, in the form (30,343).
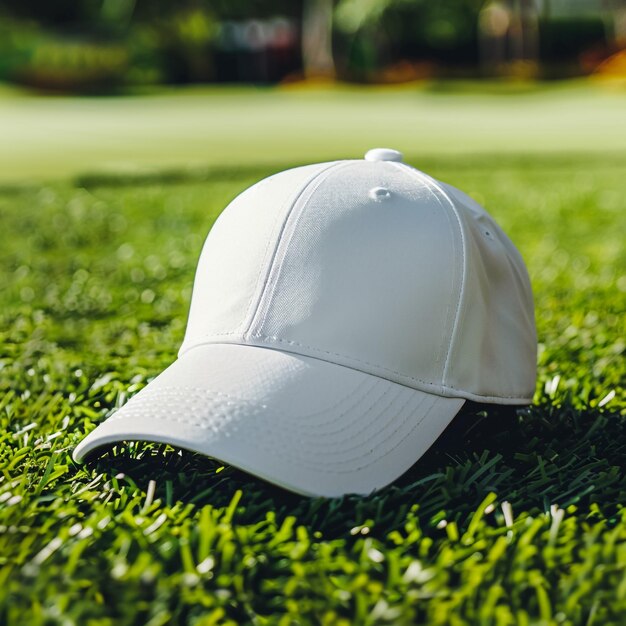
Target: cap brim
(307,425)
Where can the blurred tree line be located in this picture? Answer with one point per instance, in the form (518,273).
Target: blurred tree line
(108,44)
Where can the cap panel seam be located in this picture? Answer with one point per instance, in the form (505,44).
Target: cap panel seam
(285,238)
(380,367)
(432,184)
(244,326)
(430,387)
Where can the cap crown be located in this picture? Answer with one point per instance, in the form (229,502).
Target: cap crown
(375,266)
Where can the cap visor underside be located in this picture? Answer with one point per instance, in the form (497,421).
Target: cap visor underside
(307,425)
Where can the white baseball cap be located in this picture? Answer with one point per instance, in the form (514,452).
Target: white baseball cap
(342,314)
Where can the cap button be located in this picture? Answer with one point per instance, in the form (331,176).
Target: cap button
(383,154)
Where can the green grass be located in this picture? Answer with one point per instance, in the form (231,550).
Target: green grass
(510,519)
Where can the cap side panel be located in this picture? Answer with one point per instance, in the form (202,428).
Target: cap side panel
(236,255)
(289,226)
(305,191)
(494,352)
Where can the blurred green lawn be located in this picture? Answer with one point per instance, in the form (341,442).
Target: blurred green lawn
(43,137)
(512,520)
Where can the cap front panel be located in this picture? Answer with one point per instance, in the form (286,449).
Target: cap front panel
(367,274)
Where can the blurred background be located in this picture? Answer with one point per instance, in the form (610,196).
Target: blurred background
(125,85)
(103,46)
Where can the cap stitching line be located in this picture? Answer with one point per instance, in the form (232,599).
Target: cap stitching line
(344,356)
(247,320)
(359,416)
(389,436)
(396,429)
(244,320)
(376,416)
(272,281)
(404,167)
(382,367)
(377,459)
(430,182)
(370,437)
(457,316)
(354,359)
